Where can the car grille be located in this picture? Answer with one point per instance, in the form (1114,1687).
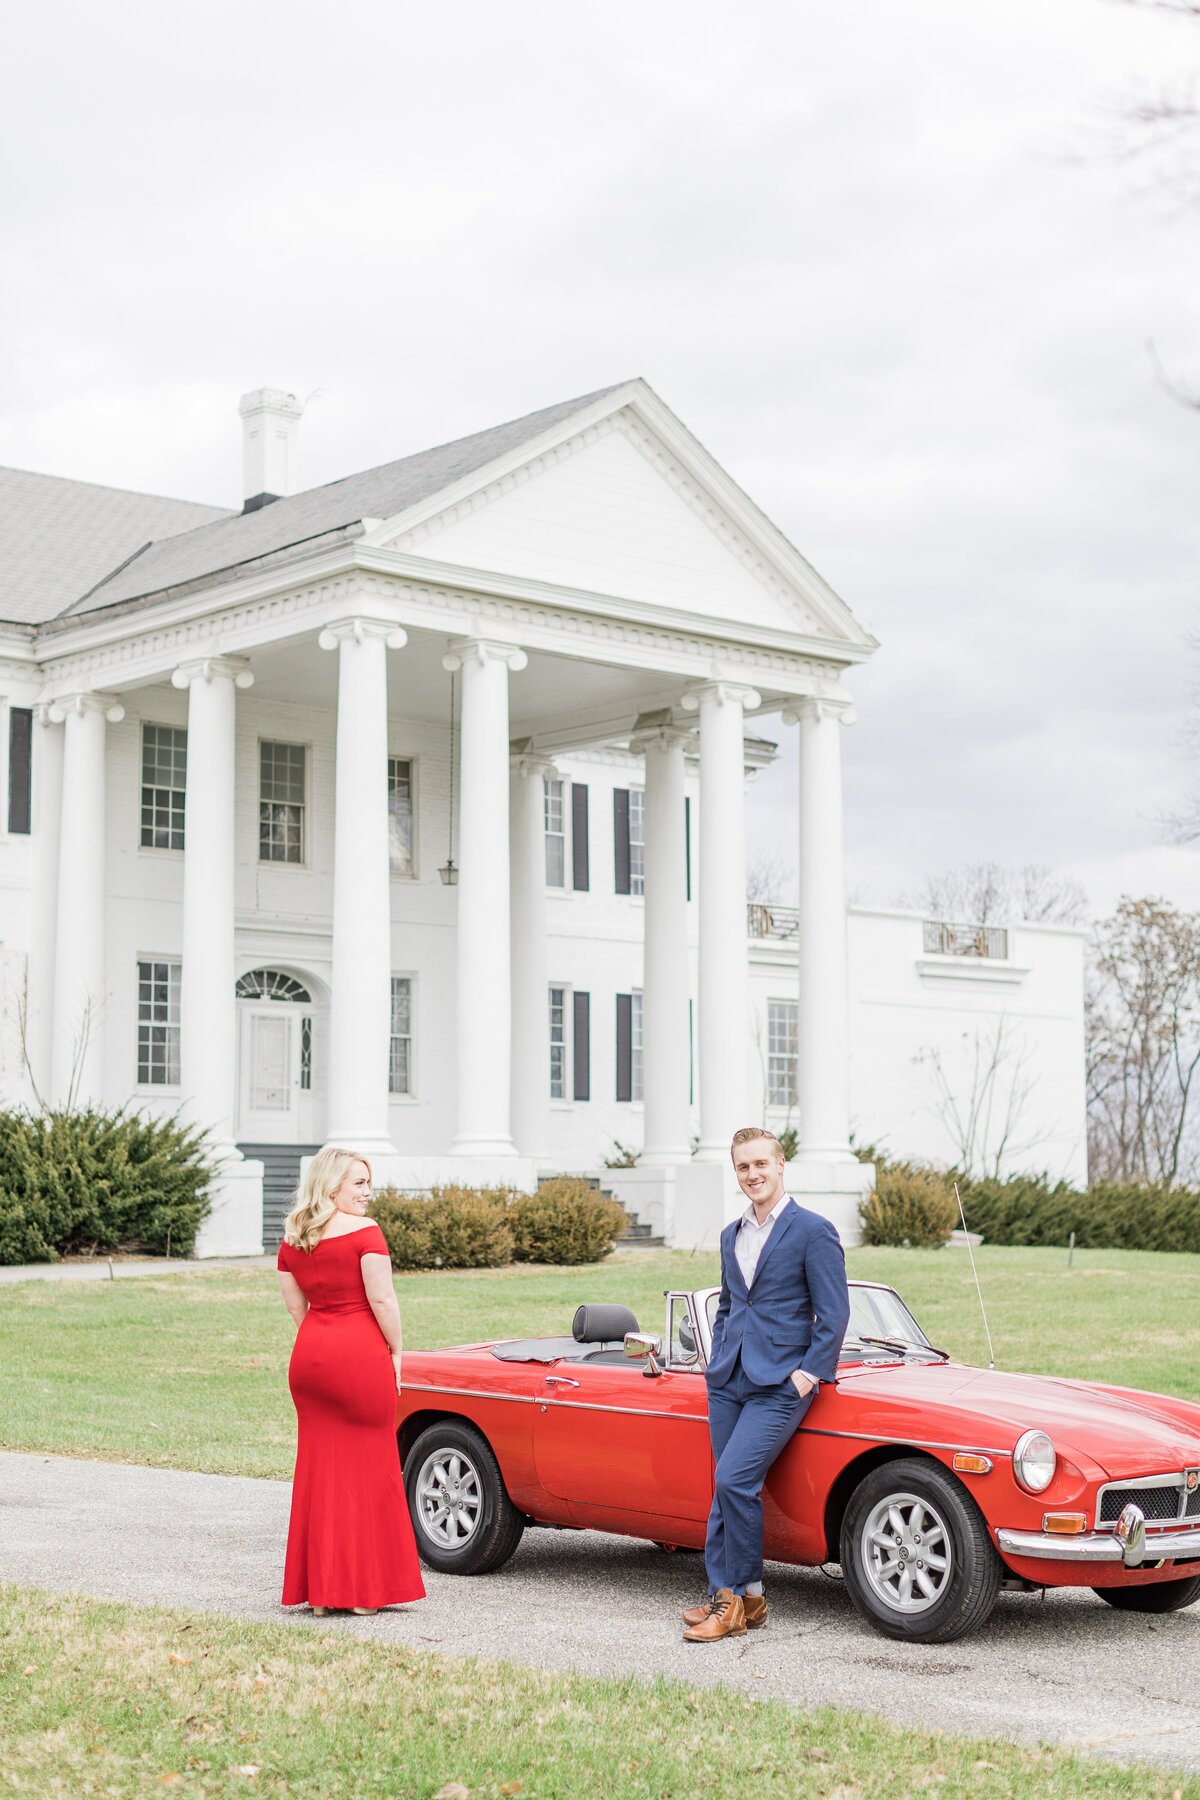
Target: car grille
(1160,1505)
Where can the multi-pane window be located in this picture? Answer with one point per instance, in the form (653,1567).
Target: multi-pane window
(164,781)
(556,837)
(400,1054)
(635,1047)
(637,841)
(783,1022)
(281,772)
(158,1023)
(400,814)
(558,1043)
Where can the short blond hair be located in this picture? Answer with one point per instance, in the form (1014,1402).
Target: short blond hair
(750,1132)
(314,1206)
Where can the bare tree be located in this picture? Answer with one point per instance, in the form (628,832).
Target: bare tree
(1144,1044)
(984,1107)
(987,893)
(770,881)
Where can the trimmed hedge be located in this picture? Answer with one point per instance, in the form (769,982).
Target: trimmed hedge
(910,1203)
(92,1181)
(1029,1210)
(566,1221)
(909,1206)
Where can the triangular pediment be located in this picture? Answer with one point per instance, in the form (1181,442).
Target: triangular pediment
(624,502)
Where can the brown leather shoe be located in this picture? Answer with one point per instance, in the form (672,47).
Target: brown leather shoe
(726,1618)
(754,1606)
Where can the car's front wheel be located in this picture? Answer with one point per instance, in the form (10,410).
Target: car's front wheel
(916,1553)
(463,1519)
(1162,1597)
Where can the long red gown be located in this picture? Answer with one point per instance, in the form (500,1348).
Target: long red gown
(350,1540)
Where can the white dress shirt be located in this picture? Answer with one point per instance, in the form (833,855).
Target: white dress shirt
(750,1243)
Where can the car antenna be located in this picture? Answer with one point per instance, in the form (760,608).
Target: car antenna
(978,1290)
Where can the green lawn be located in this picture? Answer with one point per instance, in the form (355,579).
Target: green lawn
(188,1370)
(103,1699)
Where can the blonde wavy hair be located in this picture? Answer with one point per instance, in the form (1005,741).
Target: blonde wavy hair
(314,1197)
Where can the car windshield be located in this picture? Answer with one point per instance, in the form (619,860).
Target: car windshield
(878,1316)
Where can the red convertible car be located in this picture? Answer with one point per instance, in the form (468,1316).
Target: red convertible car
(931,1483)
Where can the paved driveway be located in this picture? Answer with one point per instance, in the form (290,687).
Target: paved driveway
(1065,1669)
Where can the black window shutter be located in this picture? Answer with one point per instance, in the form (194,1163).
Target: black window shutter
(624,1046)
(20,768)
(621,882)
(583,1038)
(579,837)
(687,840)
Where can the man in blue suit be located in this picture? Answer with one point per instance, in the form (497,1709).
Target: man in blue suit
(782,1316)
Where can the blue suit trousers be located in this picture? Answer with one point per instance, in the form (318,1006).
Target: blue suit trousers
(749,1426)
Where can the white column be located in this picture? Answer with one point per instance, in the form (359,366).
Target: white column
(47,834)
(80,986)
(483,998)
(666,1045)
(823,1071)
(208,1004)
(530,967)
(360,1002)
(724,1022)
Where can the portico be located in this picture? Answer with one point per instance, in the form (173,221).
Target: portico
(316,727)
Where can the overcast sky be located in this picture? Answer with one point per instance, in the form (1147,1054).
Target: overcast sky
(877,257)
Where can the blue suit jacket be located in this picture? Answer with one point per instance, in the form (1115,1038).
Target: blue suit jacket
(795,1316)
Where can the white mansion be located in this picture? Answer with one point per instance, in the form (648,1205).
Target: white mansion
(408,813)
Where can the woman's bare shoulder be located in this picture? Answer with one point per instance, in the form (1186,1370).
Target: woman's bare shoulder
(348,1230)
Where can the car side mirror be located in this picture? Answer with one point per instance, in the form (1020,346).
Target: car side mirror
(644,1346)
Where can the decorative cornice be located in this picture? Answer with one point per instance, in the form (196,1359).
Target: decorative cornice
(483,650)
(212,668)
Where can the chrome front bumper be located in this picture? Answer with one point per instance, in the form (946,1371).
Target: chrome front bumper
(1127,1543)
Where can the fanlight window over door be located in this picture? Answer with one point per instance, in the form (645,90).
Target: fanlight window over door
(272,984)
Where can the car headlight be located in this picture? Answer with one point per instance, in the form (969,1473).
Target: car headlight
(1034,1461)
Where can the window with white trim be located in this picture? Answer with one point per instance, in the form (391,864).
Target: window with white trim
(556,836)
(637,840)
(400,814)
(164,782)
(281,802)
(400,1048)
(783,1026)
(558,1043)
(635,1046)
(158,1023)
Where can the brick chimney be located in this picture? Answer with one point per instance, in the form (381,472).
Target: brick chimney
(270,421)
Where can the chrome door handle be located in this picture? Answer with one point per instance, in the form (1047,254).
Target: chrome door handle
(560,1381)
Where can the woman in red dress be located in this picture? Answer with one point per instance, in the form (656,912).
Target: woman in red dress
(350,1541)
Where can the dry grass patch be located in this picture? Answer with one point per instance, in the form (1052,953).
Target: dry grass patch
(111,1700)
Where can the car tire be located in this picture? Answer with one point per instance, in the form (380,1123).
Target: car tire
(898,1511)
(462,1517)
(1163,1597)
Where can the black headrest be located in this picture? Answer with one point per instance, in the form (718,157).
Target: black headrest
(602,1324)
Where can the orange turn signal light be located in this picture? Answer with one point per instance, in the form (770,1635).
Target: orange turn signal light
(968,1463)
(1065,1524)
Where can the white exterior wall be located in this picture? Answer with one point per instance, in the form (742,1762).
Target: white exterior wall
(909,1012)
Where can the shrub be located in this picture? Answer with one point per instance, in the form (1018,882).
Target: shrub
(566,1221)
(909,1205)
(88,1181)
(1029,1210)
(448,1228)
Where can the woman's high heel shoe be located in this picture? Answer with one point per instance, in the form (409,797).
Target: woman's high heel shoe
(364,1611)
(319,1612)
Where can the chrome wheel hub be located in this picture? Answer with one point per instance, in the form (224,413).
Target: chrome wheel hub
(907,1555)
(449,1498)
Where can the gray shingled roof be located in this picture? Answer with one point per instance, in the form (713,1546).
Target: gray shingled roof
(59,538)
(321,514)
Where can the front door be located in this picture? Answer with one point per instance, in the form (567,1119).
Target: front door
(269,1073)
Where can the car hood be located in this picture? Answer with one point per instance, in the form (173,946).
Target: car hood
(1126,1437)
(1123,1434)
